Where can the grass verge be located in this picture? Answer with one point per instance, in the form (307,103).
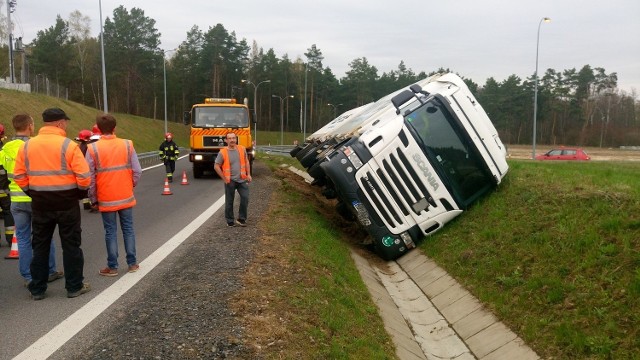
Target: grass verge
(303,295)
(555,253)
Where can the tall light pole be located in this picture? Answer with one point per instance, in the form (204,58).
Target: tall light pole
(11,7)
(104,72)
(282,114)
(164,75)
(535,91)
(255,106)
(304,123)
(335,109)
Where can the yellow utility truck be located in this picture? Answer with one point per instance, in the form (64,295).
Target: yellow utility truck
(210,122)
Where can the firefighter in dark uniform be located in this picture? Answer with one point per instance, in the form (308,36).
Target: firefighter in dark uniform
(168,153)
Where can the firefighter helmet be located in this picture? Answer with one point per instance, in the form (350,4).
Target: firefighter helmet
(84,135)
(168,136)
(96,130)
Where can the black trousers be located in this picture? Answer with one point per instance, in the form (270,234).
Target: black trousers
(44,224)
(5,205)
(170,166)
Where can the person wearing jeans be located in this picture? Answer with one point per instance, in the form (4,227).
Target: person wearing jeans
(21,203)
(115,171)
(110,221)
(21,212)
(233,166)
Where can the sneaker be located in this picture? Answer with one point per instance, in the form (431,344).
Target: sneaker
(241,222)
(83,290)
(26,283)
(55,276)
(37,297)
(134,268)
(231,224)
(109,272)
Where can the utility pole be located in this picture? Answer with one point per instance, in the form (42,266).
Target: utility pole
(11,7)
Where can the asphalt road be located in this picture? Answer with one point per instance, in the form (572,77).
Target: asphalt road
(157,218)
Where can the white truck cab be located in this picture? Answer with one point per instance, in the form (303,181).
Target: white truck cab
(425,155)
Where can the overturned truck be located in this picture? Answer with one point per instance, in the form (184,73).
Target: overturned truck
(407,164)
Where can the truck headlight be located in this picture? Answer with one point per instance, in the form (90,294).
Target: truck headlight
(352,156)
(408,241)
(197,157)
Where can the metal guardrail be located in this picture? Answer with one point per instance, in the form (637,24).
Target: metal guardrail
(153,158)
(275,149)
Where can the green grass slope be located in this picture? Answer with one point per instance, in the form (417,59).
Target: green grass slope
(555,254)
(147,134)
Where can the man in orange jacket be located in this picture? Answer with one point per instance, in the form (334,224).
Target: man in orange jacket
(115,171)
(50,169)
(232,165)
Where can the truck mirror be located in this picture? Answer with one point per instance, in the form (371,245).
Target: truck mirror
(186,117)
(253,117)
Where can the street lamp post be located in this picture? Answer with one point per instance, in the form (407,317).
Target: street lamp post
(164,75)
(535,91)
(104,71)
(255,106)
(282,114)
(335,109)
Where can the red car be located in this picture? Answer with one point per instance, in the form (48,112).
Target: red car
(564,154)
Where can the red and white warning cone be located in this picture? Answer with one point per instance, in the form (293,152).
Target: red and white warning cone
(184,178)
(13,253)
(166,190)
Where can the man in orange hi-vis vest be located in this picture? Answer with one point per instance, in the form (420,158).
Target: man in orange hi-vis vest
(232,165)
(51,170)
(115,171)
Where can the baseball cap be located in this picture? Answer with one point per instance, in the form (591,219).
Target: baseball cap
(54,114)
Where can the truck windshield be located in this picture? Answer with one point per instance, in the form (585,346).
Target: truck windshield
(455,159)
(220,116)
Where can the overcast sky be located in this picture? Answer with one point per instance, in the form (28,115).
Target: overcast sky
(477,39)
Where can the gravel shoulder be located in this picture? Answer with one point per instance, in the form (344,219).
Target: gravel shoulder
(181,309)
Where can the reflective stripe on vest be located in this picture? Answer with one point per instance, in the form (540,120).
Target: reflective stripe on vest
(10,151)
(226,164)
(113,169)
(65,177)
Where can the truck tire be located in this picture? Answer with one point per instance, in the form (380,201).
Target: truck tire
(197,171)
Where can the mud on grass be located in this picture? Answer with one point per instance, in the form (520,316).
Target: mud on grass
(303,296)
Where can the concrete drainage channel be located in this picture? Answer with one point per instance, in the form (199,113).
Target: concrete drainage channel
(430,316)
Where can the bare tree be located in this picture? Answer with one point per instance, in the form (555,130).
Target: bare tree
(79,31)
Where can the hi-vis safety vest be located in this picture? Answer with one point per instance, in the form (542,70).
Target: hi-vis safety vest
(226,165)
(114,173)
(8,161)
(50,162)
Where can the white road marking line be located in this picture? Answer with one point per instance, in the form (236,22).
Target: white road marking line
(63,332)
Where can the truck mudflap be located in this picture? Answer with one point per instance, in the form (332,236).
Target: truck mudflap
(387,245)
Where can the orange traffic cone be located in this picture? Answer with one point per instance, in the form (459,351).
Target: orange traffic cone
(13,253)
(184,178)
(166,190)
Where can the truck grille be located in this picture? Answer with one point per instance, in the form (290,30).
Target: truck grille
(394,187)
(218,141)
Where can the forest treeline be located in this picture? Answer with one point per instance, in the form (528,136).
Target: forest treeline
(575,106)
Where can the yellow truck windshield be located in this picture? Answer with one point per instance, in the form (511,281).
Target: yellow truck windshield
(220,116)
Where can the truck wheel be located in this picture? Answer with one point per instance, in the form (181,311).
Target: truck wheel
(197,171)
(343,210)
(294,151)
